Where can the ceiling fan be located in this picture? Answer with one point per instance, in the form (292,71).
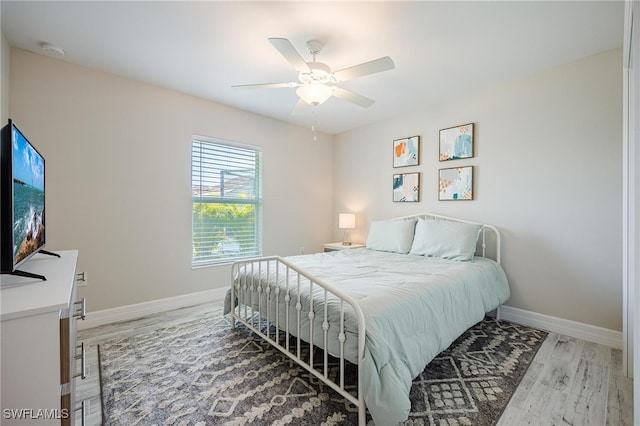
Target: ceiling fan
(316,82)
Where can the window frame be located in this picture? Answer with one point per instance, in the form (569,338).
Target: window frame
(257,202)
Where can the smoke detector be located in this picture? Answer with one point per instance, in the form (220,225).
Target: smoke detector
(51,49)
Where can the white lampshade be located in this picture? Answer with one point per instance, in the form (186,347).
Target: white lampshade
(314,93)
(347,221)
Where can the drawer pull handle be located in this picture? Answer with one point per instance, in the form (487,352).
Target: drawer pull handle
(83,309)
(83,411)
(83,361)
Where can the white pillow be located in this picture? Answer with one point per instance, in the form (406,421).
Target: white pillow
(447,240)
(391,235)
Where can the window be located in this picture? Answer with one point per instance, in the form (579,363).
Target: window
(227,201)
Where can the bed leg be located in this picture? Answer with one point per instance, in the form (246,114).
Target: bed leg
(233,308)
(498,313)
(362,415)
(362,408)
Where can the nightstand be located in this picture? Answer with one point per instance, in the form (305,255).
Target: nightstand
(340,246)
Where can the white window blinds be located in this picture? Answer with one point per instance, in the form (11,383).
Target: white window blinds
(227,201)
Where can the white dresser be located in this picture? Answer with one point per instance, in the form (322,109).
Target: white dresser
(39,358)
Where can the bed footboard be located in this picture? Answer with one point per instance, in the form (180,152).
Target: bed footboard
(287,306)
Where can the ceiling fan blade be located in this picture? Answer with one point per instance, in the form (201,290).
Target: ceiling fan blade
(265,85)
(350,96)
(287,50)
(366,68)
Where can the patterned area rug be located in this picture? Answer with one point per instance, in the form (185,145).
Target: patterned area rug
(201,373)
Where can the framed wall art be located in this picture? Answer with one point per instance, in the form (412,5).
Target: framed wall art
(455,184)
(456,142)
(406,187)
(406,152)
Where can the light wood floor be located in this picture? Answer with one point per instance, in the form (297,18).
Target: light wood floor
(570,381)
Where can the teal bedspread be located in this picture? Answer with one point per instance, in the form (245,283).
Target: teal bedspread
(414,308)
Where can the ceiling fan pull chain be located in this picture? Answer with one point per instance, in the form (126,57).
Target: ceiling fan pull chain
(313,123)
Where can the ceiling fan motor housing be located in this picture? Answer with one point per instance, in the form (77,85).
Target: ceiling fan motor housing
(319,73)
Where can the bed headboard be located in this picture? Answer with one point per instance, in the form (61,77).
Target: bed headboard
(488,241)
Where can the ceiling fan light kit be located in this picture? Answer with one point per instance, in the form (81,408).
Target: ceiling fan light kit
(317,82)
(314,93)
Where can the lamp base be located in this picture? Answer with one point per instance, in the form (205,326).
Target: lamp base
(346,240)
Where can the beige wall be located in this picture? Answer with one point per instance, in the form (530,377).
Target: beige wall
(548,173)
(118,177)
(547,169)
(5,56)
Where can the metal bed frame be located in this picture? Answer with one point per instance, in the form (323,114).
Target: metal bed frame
(250,291)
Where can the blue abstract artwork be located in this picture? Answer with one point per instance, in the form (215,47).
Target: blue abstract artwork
(456,184)
(406,187)
(406,152)
(456,142)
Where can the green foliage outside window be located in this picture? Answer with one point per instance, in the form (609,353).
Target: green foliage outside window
(225,230)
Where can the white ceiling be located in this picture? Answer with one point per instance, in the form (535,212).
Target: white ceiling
(441,49)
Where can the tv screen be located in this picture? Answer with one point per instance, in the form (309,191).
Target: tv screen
(23,199)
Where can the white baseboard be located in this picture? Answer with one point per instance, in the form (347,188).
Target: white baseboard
(591,333)
(129,312)
(575,329)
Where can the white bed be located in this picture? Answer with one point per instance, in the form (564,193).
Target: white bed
(389,308)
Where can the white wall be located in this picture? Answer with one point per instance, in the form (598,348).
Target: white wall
(631,351)
(547,172)
(630,189)
(118,177)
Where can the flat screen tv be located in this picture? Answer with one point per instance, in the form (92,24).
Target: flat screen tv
(22,196)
